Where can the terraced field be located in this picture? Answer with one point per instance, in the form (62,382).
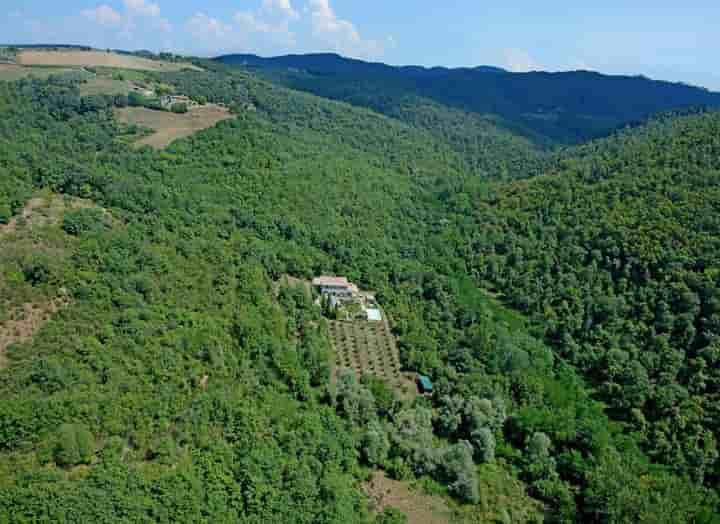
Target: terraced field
(369,347)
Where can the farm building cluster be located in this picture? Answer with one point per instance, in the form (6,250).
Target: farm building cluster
(342,296)
(363,343)
(168,101)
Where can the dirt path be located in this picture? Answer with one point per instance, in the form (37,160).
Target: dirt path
(419,508)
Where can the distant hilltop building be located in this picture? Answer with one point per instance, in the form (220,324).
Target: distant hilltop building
(168,101)
(148,93)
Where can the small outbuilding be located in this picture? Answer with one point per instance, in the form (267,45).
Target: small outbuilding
(424,384)
(373,315)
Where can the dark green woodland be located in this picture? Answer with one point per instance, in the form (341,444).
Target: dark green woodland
(562,294)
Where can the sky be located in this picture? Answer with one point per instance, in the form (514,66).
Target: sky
(667,40)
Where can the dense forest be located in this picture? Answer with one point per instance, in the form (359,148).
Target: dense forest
(547,108)
(564,305)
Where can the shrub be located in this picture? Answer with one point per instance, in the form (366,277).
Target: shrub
(460,472)
(37,271)
(84,221)
(391,516)
(179,108)
(375,445)
(5,212)
(75,445)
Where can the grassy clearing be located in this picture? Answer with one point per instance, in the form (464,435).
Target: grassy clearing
(369,347)
(170,126)
(420,508)
(425,501)
(105,86)
(96,59)
(502,499)
(292,282)
(132,75)
(42,210)
(34,253)
(26,322)
(12,72)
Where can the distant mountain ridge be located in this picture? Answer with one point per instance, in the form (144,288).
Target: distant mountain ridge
(550,108)
(337,64)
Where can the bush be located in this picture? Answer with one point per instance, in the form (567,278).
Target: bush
(5,212)
(460,471)
(375,444)
(37,271)
(75,445)
(179,108)
(484,443)
(121,101)
(391,516)
(84,221)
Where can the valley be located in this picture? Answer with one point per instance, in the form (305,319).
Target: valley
(164,359)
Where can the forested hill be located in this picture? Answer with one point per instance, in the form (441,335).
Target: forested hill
(330,63)
(173,375)
(550,108)
(616,257)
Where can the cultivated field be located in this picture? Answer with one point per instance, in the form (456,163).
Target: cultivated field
(171,126)
(369,347)
(96,59)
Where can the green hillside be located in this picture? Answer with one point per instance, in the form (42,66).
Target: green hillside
(548,108)
(615,256)
(179,384)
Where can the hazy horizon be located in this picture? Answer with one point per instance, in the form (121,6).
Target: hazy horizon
(663,42)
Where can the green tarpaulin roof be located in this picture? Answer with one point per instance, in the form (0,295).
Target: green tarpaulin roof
(425,382)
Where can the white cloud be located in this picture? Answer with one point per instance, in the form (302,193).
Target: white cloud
(340,35)
(270,22)
(272,27)
(140,7)
(104,15)
(204,26)
(138,16)
(282,7)
(250,23)
(519,61)
(164,25)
